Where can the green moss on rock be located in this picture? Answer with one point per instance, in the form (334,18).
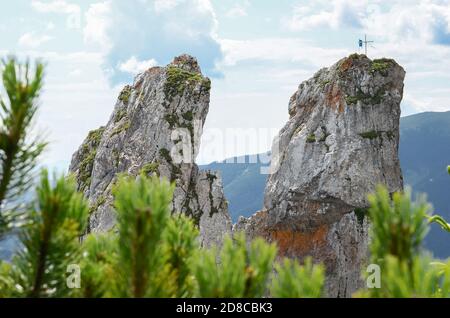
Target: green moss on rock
(150,168)
(179,79)
(381,65)
(186,122)
(101,200)
(354,56)
(371,134)
(325,134)
(324,83)
(174,169)
(172,120)
(121,128)
(88,152)
(375,99)
(120,114)
(126,94)
(211,178)
(352,100)
(95,136)
(164,153)
(206,84)
(311,138)
(188,116)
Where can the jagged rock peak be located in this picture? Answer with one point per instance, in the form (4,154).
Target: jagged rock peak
(340,142)
(187,63)
(155,128)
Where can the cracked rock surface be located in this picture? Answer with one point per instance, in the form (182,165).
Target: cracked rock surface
(340,142)
(155,128)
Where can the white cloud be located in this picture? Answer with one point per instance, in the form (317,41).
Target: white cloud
(426,21)
(50,26)
(421,20)
(33,40)
(163,5)
(159,32)
(238,10)
(75,73)
(56,6)
(98,22)
(342,13)
(73,11)
(286,50)
(134,66)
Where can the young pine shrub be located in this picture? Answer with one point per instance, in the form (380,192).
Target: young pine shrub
(18,152)
(293,280)
(439,219)
(6,283)
(159,254)
(142,207)
(237,270)
(398,225)
(418,279)
(49,241)
(153,255)
(397,232)
(180,246)
(98,266)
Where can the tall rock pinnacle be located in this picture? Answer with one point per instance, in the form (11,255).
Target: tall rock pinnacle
(155,128)
(340,142)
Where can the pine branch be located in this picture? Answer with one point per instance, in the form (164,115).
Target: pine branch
(143,212)
(18,157)
(50,240)
(296,281)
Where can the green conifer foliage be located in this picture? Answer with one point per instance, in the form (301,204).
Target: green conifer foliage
(18,152)
(398,229)
(398,225)
(50,241)
(143,212)
(439,219)
(154,253)
(180,245)
(296,281)
(417,279)
(98,266)
(237,270)
(6,282)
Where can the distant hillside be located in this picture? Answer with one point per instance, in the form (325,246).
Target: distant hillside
(243,184)
(424,155)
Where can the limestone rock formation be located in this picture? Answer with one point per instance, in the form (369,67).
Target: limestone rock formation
(155,128)
(340,142)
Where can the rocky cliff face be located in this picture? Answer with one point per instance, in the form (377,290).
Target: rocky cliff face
(155,128)
(340,142)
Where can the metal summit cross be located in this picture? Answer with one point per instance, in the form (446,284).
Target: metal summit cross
(364,42)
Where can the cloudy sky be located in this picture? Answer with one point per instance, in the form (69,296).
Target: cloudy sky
(256,53)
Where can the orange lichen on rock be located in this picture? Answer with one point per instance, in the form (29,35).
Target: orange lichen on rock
(346,64)
(295,243)
(334,99)
(154,70)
